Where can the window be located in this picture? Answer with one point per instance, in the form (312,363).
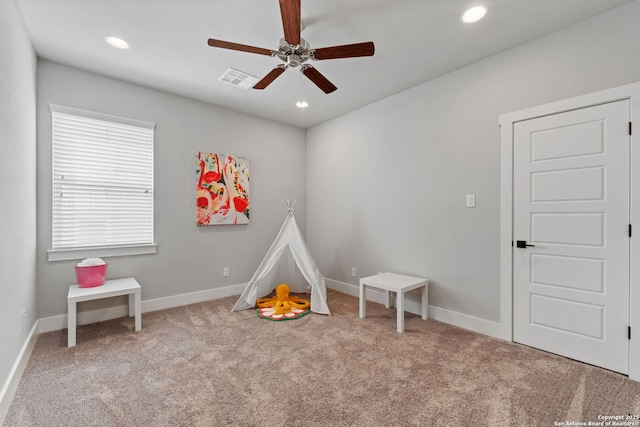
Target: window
(102,185)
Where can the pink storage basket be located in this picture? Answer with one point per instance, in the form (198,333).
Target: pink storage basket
(91,275)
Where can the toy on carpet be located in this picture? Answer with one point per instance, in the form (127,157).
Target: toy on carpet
(282,306)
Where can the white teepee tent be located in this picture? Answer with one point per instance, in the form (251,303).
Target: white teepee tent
(287,261)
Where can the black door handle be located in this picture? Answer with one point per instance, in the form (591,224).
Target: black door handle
(523,244)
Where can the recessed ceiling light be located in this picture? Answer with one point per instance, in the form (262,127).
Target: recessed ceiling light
(117,42)
(302,104)
(474,14)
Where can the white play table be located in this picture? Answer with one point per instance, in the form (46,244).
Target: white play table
(111,288)
(392,282)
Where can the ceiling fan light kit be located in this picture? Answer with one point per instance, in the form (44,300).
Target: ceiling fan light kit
(294,51)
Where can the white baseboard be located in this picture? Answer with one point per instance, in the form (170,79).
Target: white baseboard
(11,385)
(191,298)
(56,323)
(464,321)
(413,305)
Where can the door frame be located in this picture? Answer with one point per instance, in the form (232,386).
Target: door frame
(506,122)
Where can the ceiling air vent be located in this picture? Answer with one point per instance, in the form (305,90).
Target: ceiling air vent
(238,79)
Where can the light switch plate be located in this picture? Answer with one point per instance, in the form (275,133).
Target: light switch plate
(471,200)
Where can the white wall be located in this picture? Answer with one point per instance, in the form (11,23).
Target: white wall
(17,186)
(189,258)
(387,183)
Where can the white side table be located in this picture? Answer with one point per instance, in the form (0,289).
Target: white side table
(111,288)
(399,284)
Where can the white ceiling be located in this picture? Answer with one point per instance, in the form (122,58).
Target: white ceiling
(416,41)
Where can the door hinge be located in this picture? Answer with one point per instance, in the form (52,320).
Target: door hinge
(629,332)
(630,128)
(629,230)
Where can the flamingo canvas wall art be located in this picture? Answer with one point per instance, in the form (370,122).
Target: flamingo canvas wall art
(222,192)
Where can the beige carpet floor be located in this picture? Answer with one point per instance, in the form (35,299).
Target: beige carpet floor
(201,365)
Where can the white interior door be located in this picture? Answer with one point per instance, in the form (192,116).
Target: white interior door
(571,203)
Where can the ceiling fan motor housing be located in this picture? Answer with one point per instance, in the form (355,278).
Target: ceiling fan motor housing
(293,55)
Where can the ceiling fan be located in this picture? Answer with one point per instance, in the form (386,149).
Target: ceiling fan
(295,51)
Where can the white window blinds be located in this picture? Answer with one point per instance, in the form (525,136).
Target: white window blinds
(102,180)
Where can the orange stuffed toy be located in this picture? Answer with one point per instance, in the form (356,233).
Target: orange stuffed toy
(282,302)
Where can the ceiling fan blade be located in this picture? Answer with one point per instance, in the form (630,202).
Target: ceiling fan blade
(321,81)
(241,47)
(269,78)
(344,51)
(290,11)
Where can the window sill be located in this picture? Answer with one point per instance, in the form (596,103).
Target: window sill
(79,254)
